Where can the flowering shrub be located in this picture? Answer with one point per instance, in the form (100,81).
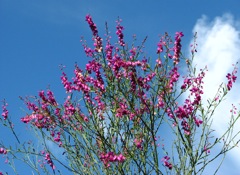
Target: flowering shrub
(115,110)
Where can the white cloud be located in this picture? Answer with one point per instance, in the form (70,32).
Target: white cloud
(218,48)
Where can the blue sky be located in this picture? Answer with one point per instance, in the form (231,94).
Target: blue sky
(37,36)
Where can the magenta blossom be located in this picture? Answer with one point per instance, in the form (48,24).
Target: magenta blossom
(120,33)
(3,151)
(49,160)
(177,47)
(166,162)
(138,143)
(92,25)
(5,111)
(231,79)
(111,157)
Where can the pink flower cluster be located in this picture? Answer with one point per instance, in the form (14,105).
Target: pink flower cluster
(31,117)
(97,38)
(96,67)
(186,127)
(41,116)
(67,84)
(128,67)
(39,120)
(5,111)
(79,81)
(165,43)
(89,52)
(69,108)
(143,82)
(98,44)
(120,33)
(166,162)
(122,110)
(133,53)
(111,157)
(92,25)
(206,148)
(186,112)
(174,76)
(177,47)
(50,99)
(160,103)
(49,160)
(3,151)
(31,106)
(197,87)
(109,51)
(231,78)
(83,83)
(160,45)
(138,142)
(57,138)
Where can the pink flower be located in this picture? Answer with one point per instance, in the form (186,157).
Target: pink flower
(58,139)
(28,118)
(89,52)
(160,46)
(206,149)
(177,47)
(174,76)
(198,122)
(231,78)
(49,160)
(67,85)
(51,98)
(3,151)
(166,163)
(122,110)
(159,62)
(138,143)
(111,157)
(186,127)
(98,44)
(121,158)
(120,33)
(5,111)
(92,25)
